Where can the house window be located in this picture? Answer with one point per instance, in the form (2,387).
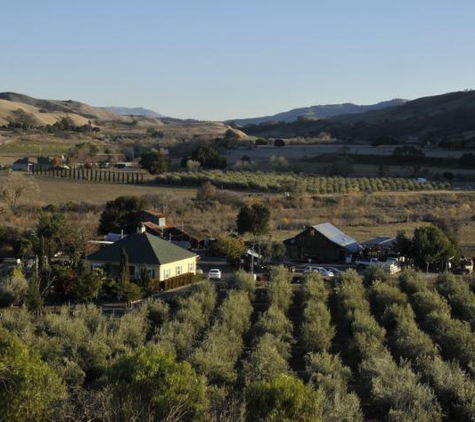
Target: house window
(178,270)
(166,273)
(191,267)
(132,271)
(152,273)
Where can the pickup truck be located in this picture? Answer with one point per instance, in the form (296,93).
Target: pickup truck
(364,263)
(391,265)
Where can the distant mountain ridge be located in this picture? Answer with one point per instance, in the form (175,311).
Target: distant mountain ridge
(437,116)
(319,112)
(136,111)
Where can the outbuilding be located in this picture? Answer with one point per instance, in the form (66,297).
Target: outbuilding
(322,243)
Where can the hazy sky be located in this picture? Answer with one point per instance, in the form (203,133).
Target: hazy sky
(217,59)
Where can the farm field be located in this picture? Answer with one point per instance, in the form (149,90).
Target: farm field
(351,349)
(56,191)
(361,216)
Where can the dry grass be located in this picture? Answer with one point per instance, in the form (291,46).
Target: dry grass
(7,109)
(57,191)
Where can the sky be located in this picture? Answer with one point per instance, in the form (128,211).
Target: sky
(221,59)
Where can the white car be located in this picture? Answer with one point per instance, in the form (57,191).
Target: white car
(324,272)
(214,274)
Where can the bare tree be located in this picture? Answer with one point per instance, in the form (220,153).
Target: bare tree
(15,187)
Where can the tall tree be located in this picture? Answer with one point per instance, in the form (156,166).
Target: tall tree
(155,162)
(254,219)
(208,156)
(430,245)
(123,213)
(124,271)
(16,187)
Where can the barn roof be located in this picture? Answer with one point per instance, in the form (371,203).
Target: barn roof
(337,236)
(380,241)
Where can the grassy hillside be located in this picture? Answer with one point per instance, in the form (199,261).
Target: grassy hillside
(27,130)
(41,117)
(54,106)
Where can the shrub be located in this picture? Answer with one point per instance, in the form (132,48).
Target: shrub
(314,288)
(317,331)
(150,384)
(267,360)
(284,398)
(275,322)
(397,392)
(279,290)
(330,377)
(374,273)
(383,295)
(244,281)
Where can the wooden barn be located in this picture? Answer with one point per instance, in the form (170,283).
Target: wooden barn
(322,243)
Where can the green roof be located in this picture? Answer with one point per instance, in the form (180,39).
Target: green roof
(142,248)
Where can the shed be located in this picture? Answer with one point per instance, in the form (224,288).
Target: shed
(22,164)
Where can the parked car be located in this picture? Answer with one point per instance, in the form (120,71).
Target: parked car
(335,271)
(199,271)
(326,272)
(323,271)
(214,274)
(310,268)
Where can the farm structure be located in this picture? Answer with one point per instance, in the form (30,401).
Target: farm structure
(23,164)
(146,252)
(379,247)
(322,243)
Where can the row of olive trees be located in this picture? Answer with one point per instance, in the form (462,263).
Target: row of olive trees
(454,337)
(272,391)
(326,372)
(295,183)
(272,333)
(183,333)
(395,390)
(219,352)
(458,294)
(455,390)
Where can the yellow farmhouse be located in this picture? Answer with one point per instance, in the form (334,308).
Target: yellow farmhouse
(162,259)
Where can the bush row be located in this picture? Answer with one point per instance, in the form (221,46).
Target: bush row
(317,331)
(395,391)
(282,182)
(326,372)
(222,345)
(454,389)
(458,294)
(272,333)
(183,333)
(454,337)
(178,281)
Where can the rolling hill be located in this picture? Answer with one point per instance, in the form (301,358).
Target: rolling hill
(57,106)
(318,112)
(446,115)
(17,108)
